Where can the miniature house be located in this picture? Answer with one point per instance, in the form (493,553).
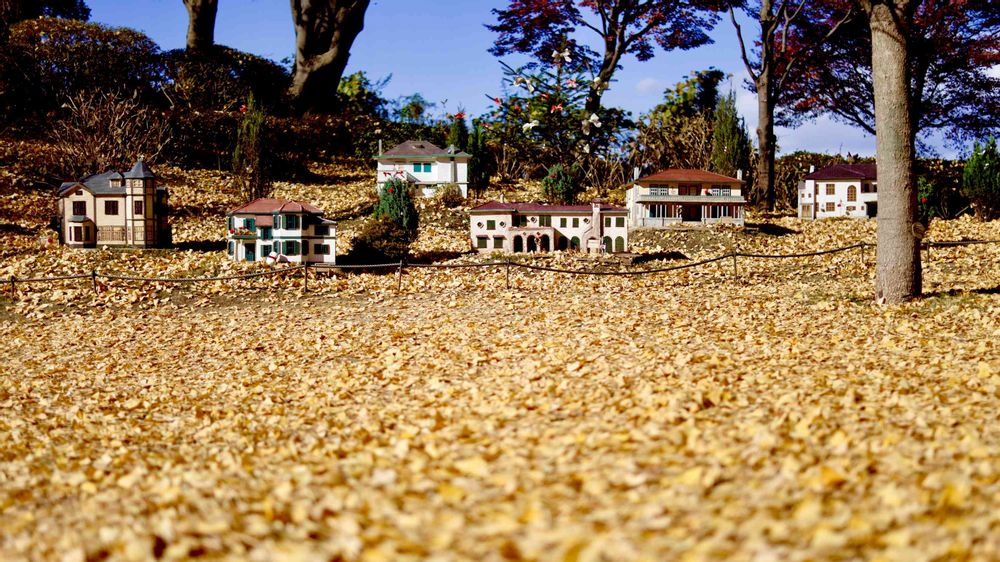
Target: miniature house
(534,227)
(841,190)
(115,209)
(424,165)
(281,230)
(681,196)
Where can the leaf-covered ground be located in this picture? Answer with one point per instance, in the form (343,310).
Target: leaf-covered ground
(771,415)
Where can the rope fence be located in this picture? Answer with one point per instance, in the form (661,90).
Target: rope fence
(400,266)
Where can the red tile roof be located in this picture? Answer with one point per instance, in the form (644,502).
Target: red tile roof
(846,172)
(682,175)
(542,208)
(268,206)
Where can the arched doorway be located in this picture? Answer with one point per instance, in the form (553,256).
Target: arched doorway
(518,245)
(562,243)
(607,244)
(544,243)
(532,244)
(619,244)
(574,243)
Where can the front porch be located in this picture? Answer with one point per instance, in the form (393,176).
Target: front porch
(662,215)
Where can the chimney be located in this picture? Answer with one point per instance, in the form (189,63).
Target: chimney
(380,147)
(739,174)
(812,168)
(635,173)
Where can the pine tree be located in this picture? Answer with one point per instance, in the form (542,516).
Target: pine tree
(981,180)
(481,165)
(395,202)
(249,161)
(458,136)
(730,140)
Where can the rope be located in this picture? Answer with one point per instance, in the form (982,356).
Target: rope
(49,279)
(196,279)
(802,255)
(619,273)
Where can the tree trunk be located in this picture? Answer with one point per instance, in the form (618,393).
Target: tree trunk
(897,266)
(324,33)
(201,23)
(765,138)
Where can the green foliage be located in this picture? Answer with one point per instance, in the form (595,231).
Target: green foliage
(697,94)
(54,59)
(395,202)
(458,135)
(249,160)
(981,180)
(731,146)
(560,185)
(219,78)
(481,165)
(360,96)
(381,240)
(414,109)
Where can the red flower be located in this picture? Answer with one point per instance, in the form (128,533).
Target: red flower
(390,190)
(497,101)
(460,115)
(923,199)
(556,108)
(243,108)
(545,96)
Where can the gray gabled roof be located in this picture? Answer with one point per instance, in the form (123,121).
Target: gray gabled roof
(420,149)
(98,184)
(140,171)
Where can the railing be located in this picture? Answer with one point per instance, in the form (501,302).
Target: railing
(506,265)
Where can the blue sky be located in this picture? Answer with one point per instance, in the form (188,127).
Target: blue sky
(439,49)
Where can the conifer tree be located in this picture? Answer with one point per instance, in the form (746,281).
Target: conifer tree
(730,140)
(249,161)
(981,180)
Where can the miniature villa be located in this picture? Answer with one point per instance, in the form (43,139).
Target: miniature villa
(841,190)
(115,209)
(534,227)
(678,196)
(424,165)
(281,230)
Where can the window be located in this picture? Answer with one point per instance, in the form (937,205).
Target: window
(322,230)
(481,242)
(522,220)
(851,208)
(250,223)
(852,193)
(866,188)
(659,190)
(562,222)
(266,233)
(78,234)
(498,243)
(265,250)
(719,190)
(291,222)
(574,243)
(291,248)
(230,224)
(79,208)
(830,207)
(620,222)
(545,220)
(110,208)
(321,249)
(576,223)
(416,168)
(831,189)
(491,225)
(138,208)
(607,222)
(232,247)
(427,168)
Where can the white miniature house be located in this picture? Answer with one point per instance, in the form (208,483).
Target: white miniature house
(841,190)
(682,196)
(536,227)
(424,165)
(279,230)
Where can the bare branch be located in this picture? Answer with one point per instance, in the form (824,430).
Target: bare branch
(743,49)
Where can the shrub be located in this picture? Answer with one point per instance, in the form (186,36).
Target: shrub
(451,195)
(249,161)
(395,202)
(981,180)
(220,78)
(381,240)
(559,185)
(56,59)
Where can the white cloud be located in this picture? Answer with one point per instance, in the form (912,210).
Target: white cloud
(650,85)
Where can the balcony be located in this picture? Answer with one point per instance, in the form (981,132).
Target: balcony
(690,199)
(243,233)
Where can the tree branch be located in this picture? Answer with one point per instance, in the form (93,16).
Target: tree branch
(743,49)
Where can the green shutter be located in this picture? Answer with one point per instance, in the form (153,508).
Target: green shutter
(416,168)
(619,221)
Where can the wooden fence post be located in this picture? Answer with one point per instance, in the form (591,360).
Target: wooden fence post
(13,287)
(399,277)
(508,274)
(305,278)
(93,279)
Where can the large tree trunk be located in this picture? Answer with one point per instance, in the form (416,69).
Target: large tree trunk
(324,33)
(897,267)
(201,23)
(765,137)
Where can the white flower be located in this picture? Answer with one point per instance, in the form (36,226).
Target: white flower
(565,55)
(594,121)
(529,126)
(600,84)
(586,148)
(527,84)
